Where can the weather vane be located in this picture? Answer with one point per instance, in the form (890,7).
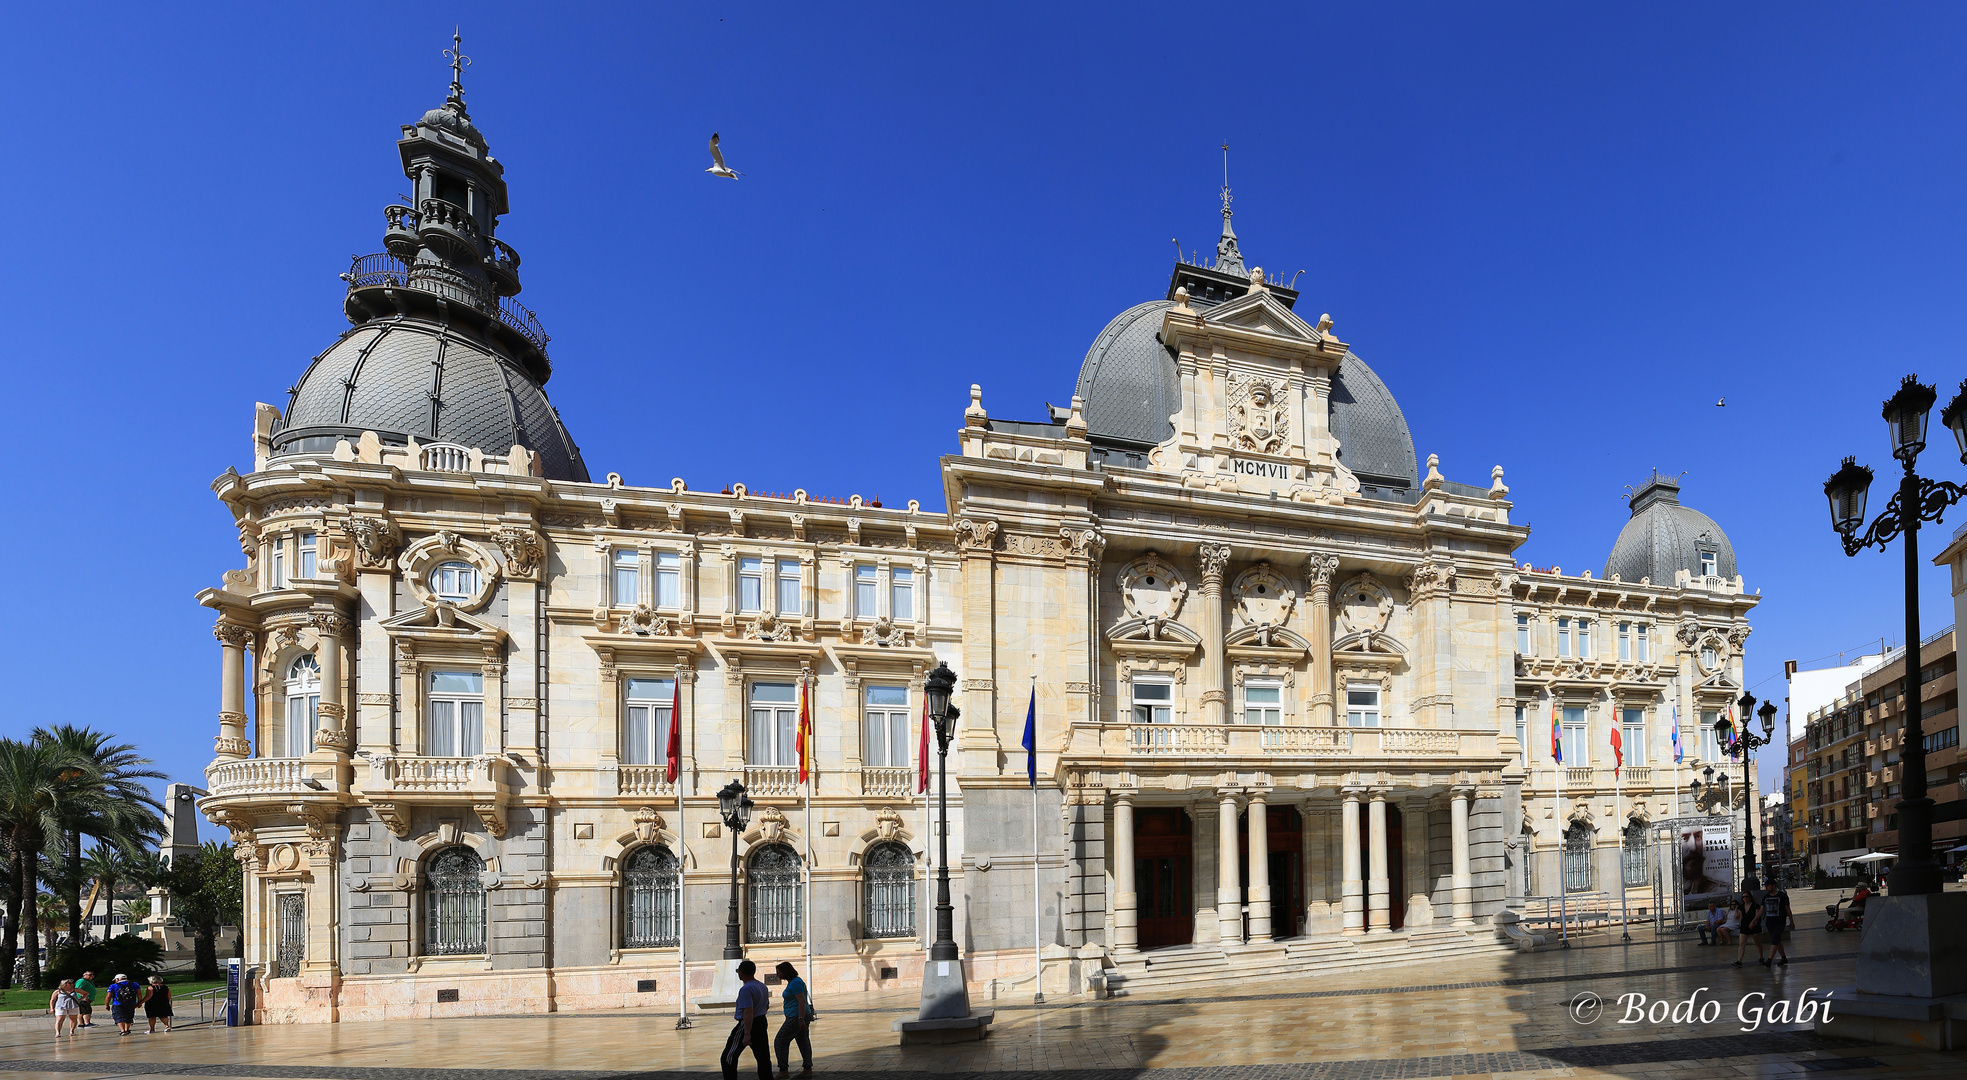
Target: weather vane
(459,61)
(1225,177)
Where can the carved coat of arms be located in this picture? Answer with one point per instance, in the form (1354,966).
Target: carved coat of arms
(1257,420)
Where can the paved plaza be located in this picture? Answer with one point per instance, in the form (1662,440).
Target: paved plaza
(1502,1016)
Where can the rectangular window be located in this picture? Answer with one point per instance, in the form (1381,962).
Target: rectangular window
(886,718)
(1584,637)
(1710,749)
(901,593)
(1708,564)
(1523,635)
(456,723)
(647,714)
(1941,740)
(1635,736)
(751,584)
(1577,738)
(669,579)
(307,555)
(1563,637)
(277,579)
(789,601)
(1522,739)
(1625,641)
(866,584)
(1154,701)
(627,578)
(1362,705)
(1263,703)
(774,724)
(1641,652)
(303,704)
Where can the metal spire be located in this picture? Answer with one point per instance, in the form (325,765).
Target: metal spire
(1228,259)
(459,61)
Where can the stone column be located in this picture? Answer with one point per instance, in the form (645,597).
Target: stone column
(1378,913)
(1215,699)
(330,734)
(976,541)
(1259,868)
(1352,892)
(1318,579)
(233,640)
(1317,416)
(1229,883)
(1126,900)
(1464,885)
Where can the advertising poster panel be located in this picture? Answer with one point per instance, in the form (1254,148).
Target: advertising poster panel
(1707,862)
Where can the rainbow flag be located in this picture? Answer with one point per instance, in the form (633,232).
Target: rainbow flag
(1556,735)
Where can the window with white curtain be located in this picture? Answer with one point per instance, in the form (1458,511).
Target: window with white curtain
(455,722)
(1634,736)
(789,588)
(1154,701)
(901,593)
(866,589)
(646,716)
(307,560)
(303,705)
(1362,704)
(1263,702)
(1640,650)
(669,579)
(627,577)
(1577,738)
(1710,747)
(774,724)
(886,718)
(1564,637)
(1584,637)
(751,584)
(1523,635)
(1625,641)
(454,581)
(276,577)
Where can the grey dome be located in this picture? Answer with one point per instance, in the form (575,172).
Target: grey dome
(1131,387)
(405,376)
(454,120)
(1664,536)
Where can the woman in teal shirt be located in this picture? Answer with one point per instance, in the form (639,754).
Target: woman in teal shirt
(798,1017)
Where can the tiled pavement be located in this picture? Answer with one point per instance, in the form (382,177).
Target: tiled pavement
(1493,1016)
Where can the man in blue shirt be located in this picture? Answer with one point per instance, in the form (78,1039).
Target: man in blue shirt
(753,1002)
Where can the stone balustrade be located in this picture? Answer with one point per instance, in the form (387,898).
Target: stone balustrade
(769,780)
(1276,741)
(643,781)
(888,783)
(393,774)
(257,776)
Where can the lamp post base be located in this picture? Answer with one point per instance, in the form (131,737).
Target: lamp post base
(1912,975)
(945,993)
(972,1028)
(723,996)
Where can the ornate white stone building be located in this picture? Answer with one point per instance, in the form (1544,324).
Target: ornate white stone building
(451,662)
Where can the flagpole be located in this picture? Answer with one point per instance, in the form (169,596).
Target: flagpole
(1557,807)
(682,964)
(806,766)
(1037,907)
(1618,800)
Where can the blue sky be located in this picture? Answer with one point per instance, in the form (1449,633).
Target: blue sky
(1558,232)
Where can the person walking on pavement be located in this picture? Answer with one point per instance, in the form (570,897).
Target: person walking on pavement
(122,1000)
(86,988)
(753,1001)
(1777,922)
(798,1018)
(1751,901)
(64,1005)
(157,1004)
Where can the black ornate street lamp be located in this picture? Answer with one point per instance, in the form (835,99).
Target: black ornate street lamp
(735,808)
(1747,742)
(937,687)
(1918,499)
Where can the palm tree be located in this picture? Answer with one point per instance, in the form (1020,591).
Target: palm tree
(107,865)
(43,786)
(48,917)
(128,817)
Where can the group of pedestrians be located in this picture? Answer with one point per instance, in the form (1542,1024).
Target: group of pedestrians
(1755,914)
(73,1003)
(754,1002)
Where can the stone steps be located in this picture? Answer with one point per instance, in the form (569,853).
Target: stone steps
(1202,968)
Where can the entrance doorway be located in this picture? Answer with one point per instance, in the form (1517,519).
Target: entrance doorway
(1164,876)
(1395,868)
(1285,829)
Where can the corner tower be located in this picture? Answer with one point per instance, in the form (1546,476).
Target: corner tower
(440,351)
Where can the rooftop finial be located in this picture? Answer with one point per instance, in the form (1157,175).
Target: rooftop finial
(1229,260)
(459,61)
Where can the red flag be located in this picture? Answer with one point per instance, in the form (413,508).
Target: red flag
(675,766)
(805,738)
(1618,750)
(922,755)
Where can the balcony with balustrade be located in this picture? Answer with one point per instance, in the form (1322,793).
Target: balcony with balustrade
(1273,744)
(768,781)
(418,778)
(641,782)
(262,776)
(389,282)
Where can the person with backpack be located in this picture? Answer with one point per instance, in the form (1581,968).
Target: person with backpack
(157,1004)
(1777,922)
(66,1006)
(798,1019)
(122,997)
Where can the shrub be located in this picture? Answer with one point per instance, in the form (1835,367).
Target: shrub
(125,954)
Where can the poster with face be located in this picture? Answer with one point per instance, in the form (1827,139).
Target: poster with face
(1707,861)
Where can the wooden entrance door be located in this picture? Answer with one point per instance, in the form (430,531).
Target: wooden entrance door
(1164,877)
(1285,835)
(1395,870)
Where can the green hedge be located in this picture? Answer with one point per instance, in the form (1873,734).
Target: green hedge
(124,954)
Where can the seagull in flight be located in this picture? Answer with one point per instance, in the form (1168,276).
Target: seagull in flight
(720,169)
(1721,404)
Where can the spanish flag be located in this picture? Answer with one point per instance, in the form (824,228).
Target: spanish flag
(805,739)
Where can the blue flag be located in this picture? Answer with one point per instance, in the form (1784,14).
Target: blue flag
(1031,738)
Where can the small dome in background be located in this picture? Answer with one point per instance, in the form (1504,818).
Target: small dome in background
(1664,536)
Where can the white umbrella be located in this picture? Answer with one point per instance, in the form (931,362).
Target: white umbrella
(1951,850)
(1876,856)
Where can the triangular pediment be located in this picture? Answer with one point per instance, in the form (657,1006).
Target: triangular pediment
(442,622)
(1262,312)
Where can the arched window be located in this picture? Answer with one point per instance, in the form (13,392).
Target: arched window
(1577,857)
(454,914)
(1635,856)
(302,705)
(888,882)
(649,898)
(774,897)
(454,581)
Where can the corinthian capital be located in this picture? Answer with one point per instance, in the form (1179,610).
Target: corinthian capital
(331,624)
(233,634)
(1215,557)
(975,535)
(1319,569)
